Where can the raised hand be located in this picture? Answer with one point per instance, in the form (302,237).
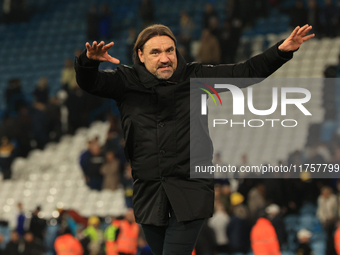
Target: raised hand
(296,38)
(99,52)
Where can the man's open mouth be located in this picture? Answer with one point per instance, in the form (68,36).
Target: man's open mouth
(165,68)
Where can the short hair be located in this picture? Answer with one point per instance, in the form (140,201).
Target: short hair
(146,35)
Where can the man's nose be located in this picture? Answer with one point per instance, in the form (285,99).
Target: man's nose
(164,58)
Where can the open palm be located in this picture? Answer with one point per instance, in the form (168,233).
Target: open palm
(99,52)
(296,38)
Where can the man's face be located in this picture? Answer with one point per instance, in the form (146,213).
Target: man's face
(14,236)
(28,237)
(159,56)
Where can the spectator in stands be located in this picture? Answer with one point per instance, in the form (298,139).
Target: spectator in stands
(146,11)
(234,28)
(41,91)
(304,248)
(218,191)
(219,223)
(15,10)
(95,234)
(68,76)
(84,240)
(298,14)
(37,225)
(209,51)
(227,54)
(187,27)
(91,163)
(263,238)
(12,247)
(238,10)
(110,236)
(238,230)
(92,138)
(113,141)
(115,124)
(7,154)
(14,96)
(214,28)
(275,216)
(224,198)
(7,126)
(105,22)
(274,190)
(292,201)
(33,245)
(39,125)
(92,19)
(53,111)
(186,55)
(127,239)
(327,207)
(110,171)
(230,8)
(209,13)
(256,199)
(130,42)
(20,220)
(327,213)
(329,16)
(313,16)
(74,103)
(66,243)
(22,130)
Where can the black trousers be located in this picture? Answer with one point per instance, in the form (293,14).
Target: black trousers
(178,238)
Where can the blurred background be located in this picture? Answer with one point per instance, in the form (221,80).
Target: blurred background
(63,169)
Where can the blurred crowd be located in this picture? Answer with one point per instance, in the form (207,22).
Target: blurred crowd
(324,19)
(104,166)
(250,216)
(70,233)
(32,120)
(15,11)
(250,213)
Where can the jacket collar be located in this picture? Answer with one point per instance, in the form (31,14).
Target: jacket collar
(149,80)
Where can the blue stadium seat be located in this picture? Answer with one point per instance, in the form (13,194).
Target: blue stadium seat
(308,222)
(291,221)
(319,247)
(287,253)
(308,208)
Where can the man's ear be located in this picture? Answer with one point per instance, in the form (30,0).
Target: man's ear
(140,55)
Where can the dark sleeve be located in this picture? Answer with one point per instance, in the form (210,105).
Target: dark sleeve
(108,84)
(259,66)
